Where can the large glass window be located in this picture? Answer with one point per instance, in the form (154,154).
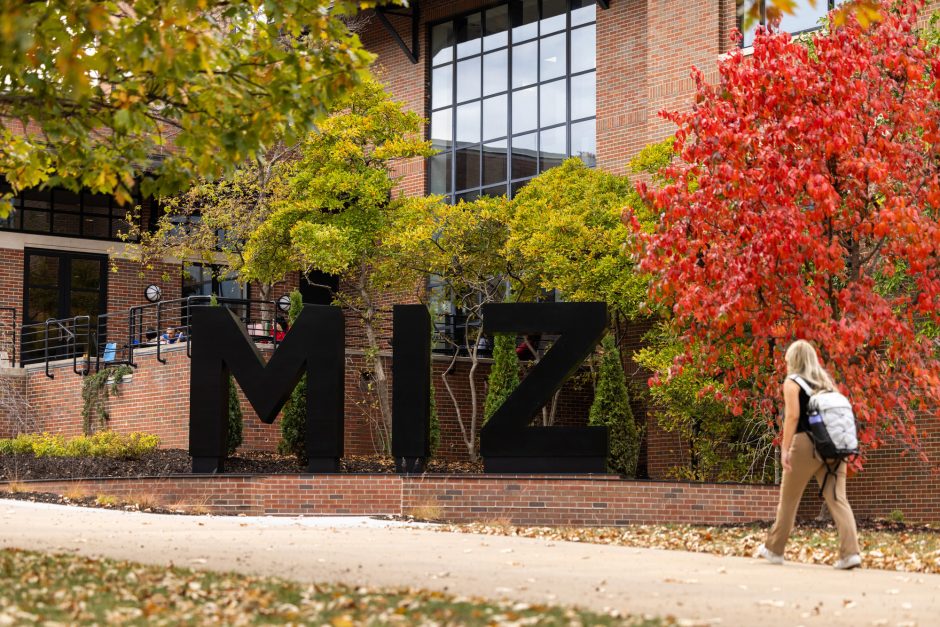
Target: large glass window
(805,17)
(512,94)
(58,211)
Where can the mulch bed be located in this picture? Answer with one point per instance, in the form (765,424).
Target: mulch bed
(162,462)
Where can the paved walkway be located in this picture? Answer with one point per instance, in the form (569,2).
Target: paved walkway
(704,588)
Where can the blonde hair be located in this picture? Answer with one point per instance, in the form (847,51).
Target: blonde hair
(802,360)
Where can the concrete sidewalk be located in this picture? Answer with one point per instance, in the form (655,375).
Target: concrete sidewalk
(359,551)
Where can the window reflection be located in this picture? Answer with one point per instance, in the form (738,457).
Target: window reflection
(525,104)
(468,79)
(524,155)
(552,58)
(497,28)
(495,72)
(468,123)
(469,30)
(583,143)
(510,96)
(494,162)
(552,103)
(524,64)
(494,117)
(442,86)
(583,96)
(805,16)
(525,14)
(552,148)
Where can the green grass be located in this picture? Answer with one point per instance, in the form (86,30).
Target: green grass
(37,587)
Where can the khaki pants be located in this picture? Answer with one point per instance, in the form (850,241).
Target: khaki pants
(806,463)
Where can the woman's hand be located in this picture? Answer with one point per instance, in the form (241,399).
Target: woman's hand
(785,459)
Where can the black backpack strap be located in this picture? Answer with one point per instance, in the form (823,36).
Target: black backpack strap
(831,471)
(802,383)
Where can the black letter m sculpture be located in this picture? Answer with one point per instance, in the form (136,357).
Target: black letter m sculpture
(315,345)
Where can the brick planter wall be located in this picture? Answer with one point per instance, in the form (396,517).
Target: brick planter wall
(523,500)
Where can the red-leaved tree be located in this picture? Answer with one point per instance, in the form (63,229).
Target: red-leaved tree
(803,203)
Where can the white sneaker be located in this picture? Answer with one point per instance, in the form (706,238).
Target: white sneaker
(770,556)
(847,563)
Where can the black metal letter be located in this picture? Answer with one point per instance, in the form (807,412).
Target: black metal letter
(220,344)
(411,391)
(507,443)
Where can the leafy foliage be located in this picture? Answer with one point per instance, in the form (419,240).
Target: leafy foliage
(883,547)
(335,209)
(504,375)
(88,591)
(100,444)
(460,246)
(294,416)
(235,421)
(97,388)
(611,408)
(800,180)
(566,234)
(95,90)
(212,220)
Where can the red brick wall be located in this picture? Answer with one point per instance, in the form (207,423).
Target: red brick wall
(523,500)
(11,295)
(156,400)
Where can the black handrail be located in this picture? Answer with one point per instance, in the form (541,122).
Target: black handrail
(109,344)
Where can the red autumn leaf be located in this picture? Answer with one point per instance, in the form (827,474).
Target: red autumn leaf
(802,203)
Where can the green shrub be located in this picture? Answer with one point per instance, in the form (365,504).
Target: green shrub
(101,444)
(97,388)
(611,408)
(234,418)
(294,416)
(504,376)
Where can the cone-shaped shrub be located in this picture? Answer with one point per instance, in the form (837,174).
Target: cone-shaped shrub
(504,376)
(611,408)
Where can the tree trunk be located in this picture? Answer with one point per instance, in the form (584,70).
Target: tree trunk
(367,314)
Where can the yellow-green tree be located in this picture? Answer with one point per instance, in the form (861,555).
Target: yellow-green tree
(461,247)
(91,91)
(566,234)
(212,221)
(335,210)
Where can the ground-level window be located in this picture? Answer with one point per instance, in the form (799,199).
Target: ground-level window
(805,17)
(60,285)
(512,95)
(59,211)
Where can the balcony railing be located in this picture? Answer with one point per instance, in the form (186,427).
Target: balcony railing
(112,338)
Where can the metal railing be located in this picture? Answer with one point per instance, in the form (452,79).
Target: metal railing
(55,340)
(112,338)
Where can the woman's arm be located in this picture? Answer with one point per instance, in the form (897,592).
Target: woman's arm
(791,417)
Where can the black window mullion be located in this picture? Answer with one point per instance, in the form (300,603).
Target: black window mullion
(453,118)
(568,80)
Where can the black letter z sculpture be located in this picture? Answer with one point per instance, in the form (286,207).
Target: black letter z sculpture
(507,443)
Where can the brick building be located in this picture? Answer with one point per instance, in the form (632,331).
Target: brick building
(509,89)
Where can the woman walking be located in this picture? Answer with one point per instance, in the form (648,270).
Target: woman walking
(800,461)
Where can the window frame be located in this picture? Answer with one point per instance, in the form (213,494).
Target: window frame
(739,21)
(16,222)
(449,155)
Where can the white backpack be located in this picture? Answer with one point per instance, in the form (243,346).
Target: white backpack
(831,426)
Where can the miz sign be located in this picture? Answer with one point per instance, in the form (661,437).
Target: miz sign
(315,346)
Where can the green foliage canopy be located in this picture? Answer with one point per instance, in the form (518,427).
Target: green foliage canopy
(337,195)
(566,233)
(91,91)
